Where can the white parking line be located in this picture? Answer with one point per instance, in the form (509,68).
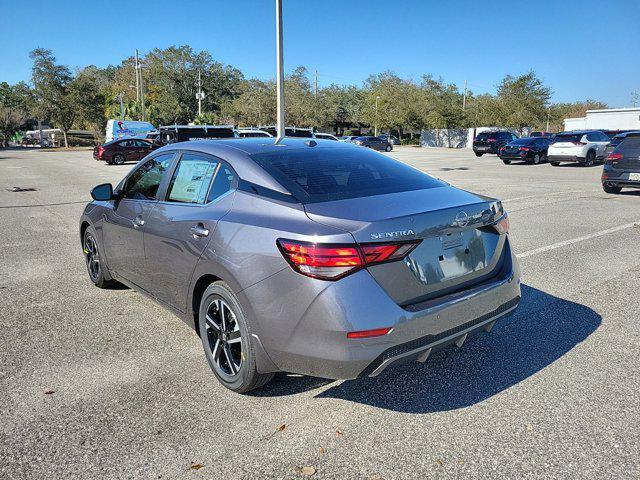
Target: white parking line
(549,194)
(553,246)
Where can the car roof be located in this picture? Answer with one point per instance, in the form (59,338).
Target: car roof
(626,134)
(576,132)
(238,151)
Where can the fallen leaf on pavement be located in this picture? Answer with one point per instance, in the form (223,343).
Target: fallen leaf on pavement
(439,462)
(281,427)
(306,471)
(321,451)
(339,432)
(196,466)
(49,392)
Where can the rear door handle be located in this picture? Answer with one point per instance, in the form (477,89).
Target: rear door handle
(199,231)
(138,222)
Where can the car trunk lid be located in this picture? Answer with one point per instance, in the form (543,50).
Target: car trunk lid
(458,247)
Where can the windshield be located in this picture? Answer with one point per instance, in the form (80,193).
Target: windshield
(568,137)
(328,174)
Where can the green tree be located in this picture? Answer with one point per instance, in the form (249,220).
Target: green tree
(89,100)
(256,104)
(523,101)
(14,104)
(395,108)
(52,91)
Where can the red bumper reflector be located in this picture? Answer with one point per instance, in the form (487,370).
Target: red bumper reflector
(376,332)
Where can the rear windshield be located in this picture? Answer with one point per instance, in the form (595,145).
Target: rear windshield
(485,135)
(521,141)
(568,137)
(629,146)
(327,174)
(616,140)
(290,132)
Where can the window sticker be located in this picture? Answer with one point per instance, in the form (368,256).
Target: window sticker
(191,181)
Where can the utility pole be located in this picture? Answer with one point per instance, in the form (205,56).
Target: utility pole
(137,81)
(548,115)
(464,97)
(141,85)
(119,96)
(376,126)
(199,95)
(279,75)
(315,85)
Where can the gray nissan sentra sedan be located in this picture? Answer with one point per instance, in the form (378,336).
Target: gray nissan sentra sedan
(312,256)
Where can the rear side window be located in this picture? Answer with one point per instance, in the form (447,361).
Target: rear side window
(326,174)
(224,181)
(191,180)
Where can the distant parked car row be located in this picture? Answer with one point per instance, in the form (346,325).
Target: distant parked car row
(134,148)
(619,151)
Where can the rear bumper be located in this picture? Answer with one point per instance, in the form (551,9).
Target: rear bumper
(306,332)
(507,156)
(565,158)
(614,178)
(485,149)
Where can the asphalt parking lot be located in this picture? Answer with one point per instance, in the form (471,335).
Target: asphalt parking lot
(105,383)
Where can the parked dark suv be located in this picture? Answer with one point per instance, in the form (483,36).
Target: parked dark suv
(490,142)
(531,150)
(376,143)
(123,150)
(622,166)
(617,140)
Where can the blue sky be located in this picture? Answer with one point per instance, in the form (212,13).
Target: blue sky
(581,49)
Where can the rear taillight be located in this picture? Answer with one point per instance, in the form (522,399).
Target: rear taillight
(614,157)
(579,143)
(524,149)
(331,261)
(502,226)
(491,140)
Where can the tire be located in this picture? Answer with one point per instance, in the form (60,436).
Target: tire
(610,189)
(388,148)
(227,341)
(478,154)
(590,159)
(535,160)
(506,162)
(96,268)
(555,164)
(118,159)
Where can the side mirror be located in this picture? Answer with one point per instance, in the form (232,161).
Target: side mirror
(102,192)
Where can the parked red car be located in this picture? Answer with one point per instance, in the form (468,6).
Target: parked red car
(123,150)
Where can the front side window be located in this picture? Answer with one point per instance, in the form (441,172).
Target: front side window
(191,180)
(143,184)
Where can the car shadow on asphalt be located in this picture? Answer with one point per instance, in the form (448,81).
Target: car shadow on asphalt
(542,330)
